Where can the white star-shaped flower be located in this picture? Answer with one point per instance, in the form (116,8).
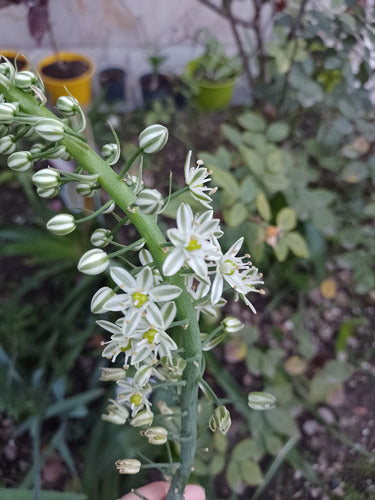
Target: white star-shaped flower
(195,179)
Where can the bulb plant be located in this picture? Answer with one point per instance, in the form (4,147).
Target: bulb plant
(157,304)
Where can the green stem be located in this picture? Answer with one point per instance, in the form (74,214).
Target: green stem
(149,230)
(130,162)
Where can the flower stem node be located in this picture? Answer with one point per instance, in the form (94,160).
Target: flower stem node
(93,262)
(128,466)
(101,237)
(150,201)
(46,178)
(67,105)
(232,325)
(220,420)
(153,138)
(8,145)
(61,224)
(50,129)
(100,298)
(25,79)
(261,400)
(20,161)
(142,419)
(156,435)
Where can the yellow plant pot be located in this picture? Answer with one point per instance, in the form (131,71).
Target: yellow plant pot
(12,55)
(78,86)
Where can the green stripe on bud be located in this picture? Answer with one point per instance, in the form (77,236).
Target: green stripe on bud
(150,201)
(232,324)
(100,298)
(50,129)
(46,178)
(110,153)
(8,145)
(220,420)
(86,189)
(101,237)
(93,262)
(24,79)
(261,400)
(20,161)
(61,224)
(47,192)
(153,138)
(7,111)
(67,105)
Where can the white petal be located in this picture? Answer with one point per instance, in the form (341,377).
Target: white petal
(177,238)
(168,312)
(217,289)
(173,263)
(145,279)
(165,293)
(122,278)
(187,167)
(154,315)
(110,327)
(197,263)
(184,217)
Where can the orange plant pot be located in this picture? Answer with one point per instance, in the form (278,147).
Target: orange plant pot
(78,86)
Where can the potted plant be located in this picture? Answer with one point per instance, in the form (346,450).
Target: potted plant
(112,84)
(154,85)
(213,76)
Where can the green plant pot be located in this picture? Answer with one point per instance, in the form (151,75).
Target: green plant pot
(212,96)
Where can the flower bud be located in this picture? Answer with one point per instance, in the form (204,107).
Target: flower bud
(7,111)
(47,192)
(110,153)
(101,237)
(261,400)
(142,419)
(7,69)
(232,324)
(150,201)
(153,138)
(46,178)
(37,149)
(93,262)
(50,129)
(61,224)
(100,298)
(142,376)
(220,420)
(128,466)
(20,161)
(156,435)
(67,105)
(117,413)
(24,79)
(112,374)
(110,209)
(57,152)
(22,130)
(8,145)
(4,129)
(86,189)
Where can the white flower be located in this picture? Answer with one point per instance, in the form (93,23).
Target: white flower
(117,413)
(200,292)
(241,276)
(135,396)
(128,466)
(194,240)
(139,291)
(195,178)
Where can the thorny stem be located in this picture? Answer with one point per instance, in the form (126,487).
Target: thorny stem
(149,230)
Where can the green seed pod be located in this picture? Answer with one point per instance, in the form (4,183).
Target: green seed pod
(8,111)
(220,420)
(100,298)
(61,224)
(150,201)
(93,262)
(101,237)
(46,178)
(261,400)
(67,105)
(8,145)
(50,129)
(20,161)
(47,192)
(24,79)
(153,138)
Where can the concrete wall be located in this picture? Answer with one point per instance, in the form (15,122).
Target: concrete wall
(120,32)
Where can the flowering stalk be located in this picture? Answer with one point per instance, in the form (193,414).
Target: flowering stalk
(148,229)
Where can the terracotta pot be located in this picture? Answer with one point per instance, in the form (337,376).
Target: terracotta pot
(76,76)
